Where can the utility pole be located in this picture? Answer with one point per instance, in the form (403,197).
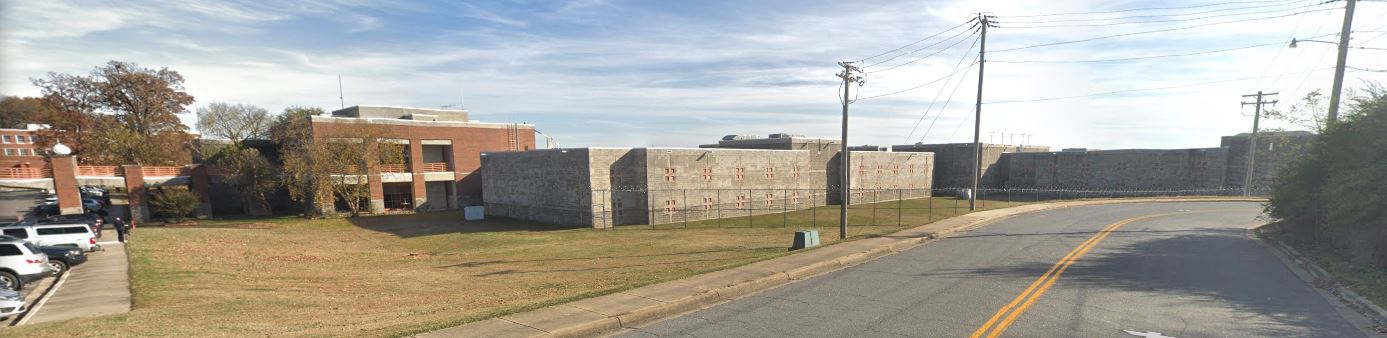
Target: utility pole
(983,21)
(1252,141)
(1339,66)
(850,75)
(340,97)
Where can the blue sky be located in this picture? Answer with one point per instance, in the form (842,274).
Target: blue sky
(681,73)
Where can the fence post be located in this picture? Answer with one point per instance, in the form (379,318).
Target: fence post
(930,217)
(900,200)
(784,208)
(686,207)
(814,209)
(874,207)
(749,214)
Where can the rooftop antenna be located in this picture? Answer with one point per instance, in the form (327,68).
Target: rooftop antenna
(340,98)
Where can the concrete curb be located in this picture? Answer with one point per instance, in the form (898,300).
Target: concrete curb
(1323,280)
(43,299)
(632,308)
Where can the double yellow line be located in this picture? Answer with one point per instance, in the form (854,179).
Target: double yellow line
(1038,288)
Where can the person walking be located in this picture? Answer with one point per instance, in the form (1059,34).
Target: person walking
(120,229)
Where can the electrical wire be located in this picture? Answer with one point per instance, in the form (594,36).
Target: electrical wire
(1159,15)
(1024,26)
(1131,90)
(914,43)
(1156,31)
(1149,9)
(942,109)
(960,33)
(961,58)
(975,61)
(1138,58)
(976,38)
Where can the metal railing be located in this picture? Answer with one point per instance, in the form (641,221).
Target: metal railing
(163,171)
(392,168)
(97,170)
(23,173)
(434,167)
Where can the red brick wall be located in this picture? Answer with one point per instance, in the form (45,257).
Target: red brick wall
(468,145)
(12,151)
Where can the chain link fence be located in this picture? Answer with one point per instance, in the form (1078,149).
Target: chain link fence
(819,208)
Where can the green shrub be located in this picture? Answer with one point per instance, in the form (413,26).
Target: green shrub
(173,205)
(1336,195)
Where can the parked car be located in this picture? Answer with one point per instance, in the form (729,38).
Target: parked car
(60,258)
(94,221)
(46,209)
(21,263)
(11,303)
(55,234)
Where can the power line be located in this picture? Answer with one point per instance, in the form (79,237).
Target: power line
(1159,31)
(1024,24)
(1266,70)
(1130,90)
(922,57)
(947,101)
(916,42)
(1146,9)
(1280,43)
(961,58)
(975,61)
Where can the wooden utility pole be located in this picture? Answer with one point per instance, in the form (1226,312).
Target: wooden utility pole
(1252,140)
(983,22)
(1339,65)
(850,75)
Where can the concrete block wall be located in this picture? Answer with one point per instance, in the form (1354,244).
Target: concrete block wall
(1274,150)
(887,176)
(551,186)
(1127,169)
(954,162)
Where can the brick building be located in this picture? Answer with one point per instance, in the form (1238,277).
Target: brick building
(17,148)
(442,157)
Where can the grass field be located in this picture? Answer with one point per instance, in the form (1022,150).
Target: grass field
(397,275)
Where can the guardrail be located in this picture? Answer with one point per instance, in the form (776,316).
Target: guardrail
(434,167)
(24,173)
(97,170)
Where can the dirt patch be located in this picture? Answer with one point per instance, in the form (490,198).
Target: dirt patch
(297,258)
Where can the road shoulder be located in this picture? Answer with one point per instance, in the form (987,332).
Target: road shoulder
(1366,316)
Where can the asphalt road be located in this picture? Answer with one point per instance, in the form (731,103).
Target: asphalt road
(1184,270)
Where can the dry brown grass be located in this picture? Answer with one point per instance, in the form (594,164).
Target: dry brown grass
(397,275)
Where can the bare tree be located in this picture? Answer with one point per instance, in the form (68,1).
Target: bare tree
(334,164)
(233,121)
(1309,113)
(118,114)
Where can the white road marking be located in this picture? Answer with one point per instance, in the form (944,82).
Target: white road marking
(44,300)
(1149,334)
(109,243)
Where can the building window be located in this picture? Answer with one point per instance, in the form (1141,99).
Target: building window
(770,199)
(9,152)
(25,152)
(740,172)
(741,201)
(21,139)
(707,174)
(912,170)
(794,197)
(671,207)
(861,169)
(669,174)
(878,169)
(896,171)
(794,172)
(9,139)
(770,172)
(707,204)
(1121,166)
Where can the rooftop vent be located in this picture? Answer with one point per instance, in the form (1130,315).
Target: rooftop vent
(785,135)
(738,137)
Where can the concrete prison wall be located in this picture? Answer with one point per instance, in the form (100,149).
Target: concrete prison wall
(1127,169)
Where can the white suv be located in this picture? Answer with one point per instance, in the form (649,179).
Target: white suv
(21,263)
(65,234)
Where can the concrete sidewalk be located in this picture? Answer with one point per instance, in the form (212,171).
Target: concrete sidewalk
(650,303)
(101,286)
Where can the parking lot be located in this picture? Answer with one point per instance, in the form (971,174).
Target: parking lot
(98,285)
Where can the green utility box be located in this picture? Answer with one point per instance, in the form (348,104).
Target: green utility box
(805,239)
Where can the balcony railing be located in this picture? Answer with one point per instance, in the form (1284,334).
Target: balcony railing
(392,168)
(96,170)
(434,167)
(162,171)
(24,173)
